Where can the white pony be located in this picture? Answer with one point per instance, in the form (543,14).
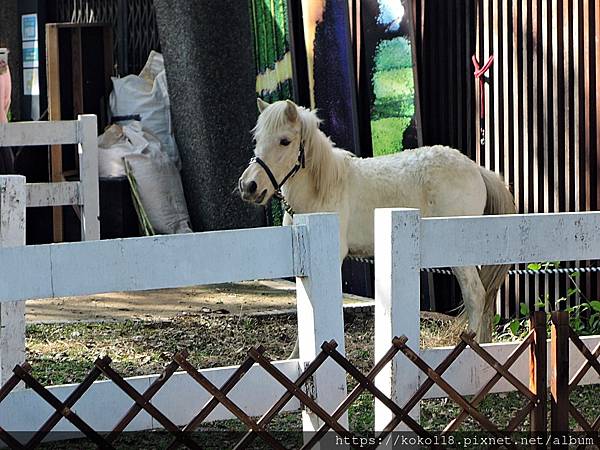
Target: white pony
(297,161)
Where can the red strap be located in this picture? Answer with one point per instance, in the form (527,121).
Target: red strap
(479,72)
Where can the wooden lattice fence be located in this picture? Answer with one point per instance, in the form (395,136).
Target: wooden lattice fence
(535,394)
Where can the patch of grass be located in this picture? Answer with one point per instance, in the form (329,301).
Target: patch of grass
(64,353)
(394,83)
(394,90)
(387,135)
(393,54)
(399,106)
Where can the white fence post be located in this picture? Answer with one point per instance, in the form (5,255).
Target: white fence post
(88,168)
(397,304)
(320,309)
(13,199)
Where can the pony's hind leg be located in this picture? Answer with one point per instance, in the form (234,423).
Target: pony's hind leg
(473,294)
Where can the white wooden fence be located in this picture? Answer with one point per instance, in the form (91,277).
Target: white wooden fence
(309,250)
(405,243)
(83,193)
(15,196)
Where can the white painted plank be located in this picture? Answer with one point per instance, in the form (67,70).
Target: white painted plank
(180,400)
(103,396)
(469,241)
(254,394)
(16,134)
(320,312)
(94,267)
(469,373)
(88,167)
(53,194)
(12,234)
(397,304)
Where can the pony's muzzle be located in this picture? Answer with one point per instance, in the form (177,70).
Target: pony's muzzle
(249,187)
(248,191)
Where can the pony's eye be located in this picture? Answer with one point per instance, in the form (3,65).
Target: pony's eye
(284,142)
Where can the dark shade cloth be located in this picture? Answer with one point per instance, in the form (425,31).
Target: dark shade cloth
(7,161)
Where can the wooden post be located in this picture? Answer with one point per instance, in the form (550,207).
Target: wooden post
(320,311)
(88,169)
(12,234)
(559,374)
(54,113)
(397,304)
(538,373)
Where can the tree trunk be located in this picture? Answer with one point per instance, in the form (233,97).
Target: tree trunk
(207,46)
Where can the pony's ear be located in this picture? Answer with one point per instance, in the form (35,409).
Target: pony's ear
(291,111)
(262,105)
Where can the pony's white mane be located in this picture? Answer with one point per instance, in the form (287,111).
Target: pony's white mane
(271,120)
(325,162)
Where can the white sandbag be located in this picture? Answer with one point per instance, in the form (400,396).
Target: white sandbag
(158,180)
(154,66)
(116,142)
(147,96)
(111,149)
(160,191)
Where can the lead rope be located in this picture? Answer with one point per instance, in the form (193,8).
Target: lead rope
(286,206)
(479,73)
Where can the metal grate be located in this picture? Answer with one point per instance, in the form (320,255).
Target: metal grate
(133,21)
(88,11)
(142,33)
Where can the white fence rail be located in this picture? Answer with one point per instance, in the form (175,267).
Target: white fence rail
(405,243)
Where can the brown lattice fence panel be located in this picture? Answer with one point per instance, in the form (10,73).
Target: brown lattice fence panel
(562,386)
(258,428)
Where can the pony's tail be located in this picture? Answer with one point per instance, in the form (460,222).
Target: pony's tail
(499,201)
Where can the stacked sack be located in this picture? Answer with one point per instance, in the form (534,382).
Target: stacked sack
(142,135)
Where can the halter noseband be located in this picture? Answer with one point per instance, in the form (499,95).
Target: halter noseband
(300,164)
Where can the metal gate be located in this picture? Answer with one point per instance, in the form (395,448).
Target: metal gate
(133,21)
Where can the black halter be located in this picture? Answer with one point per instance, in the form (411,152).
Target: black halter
(300,164)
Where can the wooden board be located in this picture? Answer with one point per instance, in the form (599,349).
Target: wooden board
(93,267)
(75,88)
(54,113)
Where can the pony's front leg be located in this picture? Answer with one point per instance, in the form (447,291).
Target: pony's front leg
(473,294)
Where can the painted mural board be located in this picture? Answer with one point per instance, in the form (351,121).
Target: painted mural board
(272,52)
(389,58)
(273,62)
(331,75)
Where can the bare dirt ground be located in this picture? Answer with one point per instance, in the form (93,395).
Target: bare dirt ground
(238,298)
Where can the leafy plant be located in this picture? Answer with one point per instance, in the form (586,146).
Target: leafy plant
(584,318)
